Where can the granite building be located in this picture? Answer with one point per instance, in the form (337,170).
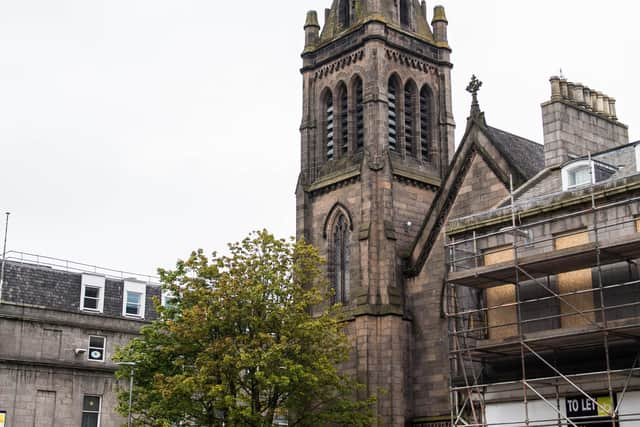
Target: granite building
(407,224)
(60,323)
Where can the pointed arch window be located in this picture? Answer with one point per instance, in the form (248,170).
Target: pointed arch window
(404,13)
(343,142)
(359,109)
(392,102)
(328,129)
(345,17)
(341,260)
(409,119)
(425,123)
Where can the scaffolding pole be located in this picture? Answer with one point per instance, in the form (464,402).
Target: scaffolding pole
(468,351)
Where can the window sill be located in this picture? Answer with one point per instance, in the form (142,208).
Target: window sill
(133,316)
(91,310)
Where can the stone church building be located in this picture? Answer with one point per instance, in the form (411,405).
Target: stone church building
(492,282)
(380,184)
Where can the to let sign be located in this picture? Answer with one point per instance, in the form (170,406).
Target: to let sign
(585,407)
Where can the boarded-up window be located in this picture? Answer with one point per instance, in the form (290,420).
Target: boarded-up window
(573,282)
(502,321)
(45,409)
(638,224)
(51,343)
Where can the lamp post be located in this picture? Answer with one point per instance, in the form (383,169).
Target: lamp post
(131,365)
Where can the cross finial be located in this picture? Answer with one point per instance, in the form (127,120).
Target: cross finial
(473,89)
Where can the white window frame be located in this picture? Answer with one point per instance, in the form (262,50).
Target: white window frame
(136,287)
(99,406)
(166,297)
(92,281)
(591,164)
(571,168)
(104,349)
(637,147)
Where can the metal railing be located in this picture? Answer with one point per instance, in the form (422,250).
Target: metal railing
(26,258)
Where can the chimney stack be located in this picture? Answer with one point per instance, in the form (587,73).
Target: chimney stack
(578,120)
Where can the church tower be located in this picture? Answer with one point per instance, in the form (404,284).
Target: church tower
(377,136)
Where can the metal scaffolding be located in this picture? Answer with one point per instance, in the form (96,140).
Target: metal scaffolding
(546,344)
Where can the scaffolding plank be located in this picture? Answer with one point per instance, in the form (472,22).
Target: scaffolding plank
(549,263)
(561,338)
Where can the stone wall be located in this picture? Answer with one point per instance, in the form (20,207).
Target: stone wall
(430,380)
(45,371)
(39,396)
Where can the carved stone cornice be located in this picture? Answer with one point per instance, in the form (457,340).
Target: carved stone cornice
(338,65)
(410,61)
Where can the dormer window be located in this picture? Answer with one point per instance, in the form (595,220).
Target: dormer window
(92,293)
(133,302)
(585,172)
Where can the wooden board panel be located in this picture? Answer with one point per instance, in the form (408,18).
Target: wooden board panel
(501,295)
(574,281)
(638,225)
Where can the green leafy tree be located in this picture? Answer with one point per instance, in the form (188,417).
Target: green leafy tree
(238,345)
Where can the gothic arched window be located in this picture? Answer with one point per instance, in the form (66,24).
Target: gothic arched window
(404,12)
(328,125)
(340,259)
(343,12)
(392,102)
(359,109)
(343,136)
(425,123)
(409,118)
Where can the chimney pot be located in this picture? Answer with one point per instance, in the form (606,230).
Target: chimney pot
(564,89)
(587,98)
(571,90)
(600,103)
(578,94)
(594,101)
(605,106)
(556,93)
(612,109)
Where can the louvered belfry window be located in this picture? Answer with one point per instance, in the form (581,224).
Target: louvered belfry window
(341,260)
(404,13)
(328,131)
(392,97)
(359,122)
(345,18)
(344,119)
(425,123)
(409,119)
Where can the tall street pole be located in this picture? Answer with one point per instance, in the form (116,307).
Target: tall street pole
(132,365)
(4,254)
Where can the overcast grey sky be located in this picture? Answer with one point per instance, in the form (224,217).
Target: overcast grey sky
(133,131)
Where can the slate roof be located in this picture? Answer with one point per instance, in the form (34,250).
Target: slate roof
(526,156)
